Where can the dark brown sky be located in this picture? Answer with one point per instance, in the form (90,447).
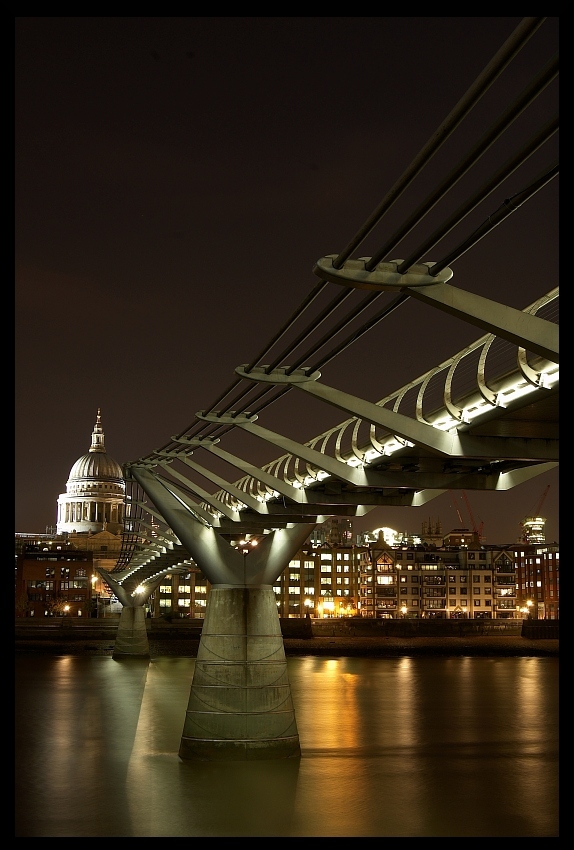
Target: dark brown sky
(177,179)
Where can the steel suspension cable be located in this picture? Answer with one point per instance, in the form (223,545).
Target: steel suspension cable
(507,207)
(530,93)
(386,311)
(288,324)
(509,167)
(346,320)
(511,47)
(312,326)
(525,30)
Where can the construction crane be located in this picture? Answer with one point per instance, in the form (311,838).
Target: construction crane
(538,508)
(477,530)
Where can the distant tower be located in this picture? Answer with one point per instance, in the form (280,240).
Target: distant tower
(94,497)
(533,529)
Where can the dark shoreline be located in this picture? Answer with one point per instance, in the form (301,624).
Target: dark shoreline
(375,647)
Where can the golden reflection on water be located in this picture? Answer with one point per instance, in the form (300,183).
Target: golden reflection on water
(391,747)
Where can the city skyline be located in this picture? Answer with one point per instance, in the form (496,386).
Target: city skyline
(177,178)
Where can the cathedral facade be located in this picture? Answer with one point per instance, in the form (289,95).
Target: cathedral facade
(95,492)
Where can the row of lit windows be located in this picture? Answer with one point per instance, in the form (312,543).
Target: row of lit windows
(183,588)
(182,603)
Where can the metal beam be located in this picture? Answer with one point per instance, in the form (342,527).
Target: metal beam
(446,443)
(277,484)
(358,477)
(234,491)
(200,513)
(511,479)
(535,334)
(217,504)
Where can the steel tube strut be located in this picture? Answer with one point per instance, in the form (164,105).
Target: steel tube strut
(447,443)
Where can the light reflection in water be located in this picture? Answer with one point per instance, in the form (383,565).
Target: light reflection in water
(391,747)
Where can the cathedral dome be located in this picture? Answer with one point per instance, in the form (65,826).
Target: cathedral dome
(96,465)
(95,492)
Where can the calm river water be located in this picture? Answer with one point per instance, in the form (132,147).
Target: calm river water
(404,747)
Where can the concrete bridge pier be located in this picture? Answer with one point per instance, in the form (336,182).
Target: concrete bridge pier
(240,705)
(131,637)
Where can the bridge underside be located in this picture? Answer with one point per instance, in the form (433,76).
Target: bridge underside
(485,420)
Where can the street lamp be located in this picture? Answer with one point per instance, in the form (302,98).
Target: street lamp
(308,605)
(404,610)
(464,610)
(529,604)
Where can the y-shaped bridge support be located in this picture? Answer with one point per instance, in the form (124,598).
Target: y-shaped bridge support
(131,637)
(240,704)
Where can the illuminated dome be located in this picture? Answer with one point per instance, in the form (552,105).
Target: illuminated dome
(94,498)
(96,465)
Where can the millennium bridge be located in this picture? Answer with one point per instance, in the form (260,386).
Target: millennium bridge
(484,419)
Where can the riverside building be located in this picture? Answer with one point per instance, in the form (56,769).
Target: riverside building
(447,583)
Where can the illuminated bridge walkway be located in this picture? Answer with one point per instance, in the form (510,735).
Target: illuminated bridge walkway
(484,419)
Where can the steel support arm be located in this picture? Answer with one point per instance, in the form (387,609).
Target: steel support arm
(508,480)
(277,484)
(358,477)
(530,332)
(234,491)
(446,443)
(182,497)
(203,494)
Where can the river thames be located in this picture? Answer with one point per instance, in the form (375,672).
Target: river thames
(391,747)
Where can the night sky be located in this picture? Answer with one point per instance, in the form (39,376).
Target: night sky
(176,181)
